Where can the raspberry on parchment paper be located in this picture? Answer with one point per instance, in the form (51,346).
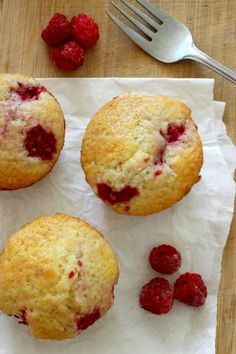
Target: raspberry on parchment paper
(190,289)
(157,296)
(165,259)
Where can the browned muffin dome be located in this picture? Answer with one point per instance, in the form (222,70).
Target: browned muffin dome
(141,154)
(57,275)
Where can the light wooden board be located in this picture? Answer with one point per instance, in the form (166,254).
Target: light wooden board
(213,25)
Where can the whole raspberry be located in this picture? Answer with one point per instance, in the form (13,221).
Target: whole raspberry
(68,56)
(190,289)
(85,31)
(157,296)
(165,259)
(57,31)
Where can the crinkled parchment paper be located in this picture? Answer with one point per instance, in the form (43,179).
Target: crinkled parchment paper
(198,226)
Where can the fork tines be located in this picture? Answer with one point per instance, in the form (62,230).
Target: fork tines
(159,15)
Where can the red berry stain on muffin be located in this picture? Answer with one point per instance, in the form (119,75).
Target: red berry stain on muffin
(28,92)
(80,263)
(160,159)
(40,143)
(147,159)
(6,123)
(87,320)
(172,135)
(174,132)
(71,274)
(106,193)
(23,317)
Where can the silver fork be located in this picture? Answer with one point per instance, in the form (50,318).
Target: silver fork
(166,39)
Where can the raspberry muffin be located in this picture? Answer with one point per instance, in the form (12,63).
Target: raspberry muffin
(32,131)
(142,154)
(57,276)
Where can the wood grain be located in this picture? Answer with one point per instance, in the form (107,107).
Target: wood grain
(213,25)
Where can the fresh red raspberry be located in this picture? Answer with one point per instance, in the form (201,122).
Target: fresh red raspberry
(190,289)
(165,259)
(157,296)
(84,30)
(57,31)
(68,56)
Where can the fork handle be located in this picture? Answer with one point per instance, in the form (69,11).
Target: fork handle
(202,58)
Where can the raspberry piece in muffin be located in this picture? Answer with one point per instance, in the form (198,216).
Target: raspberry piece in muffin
(174,133)
(106,193)
(87,320)
(29,92)
(23,317)
(40,143)
(71,274)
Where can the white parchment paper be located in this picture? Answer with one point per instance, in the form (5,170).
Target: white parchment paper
(198,226)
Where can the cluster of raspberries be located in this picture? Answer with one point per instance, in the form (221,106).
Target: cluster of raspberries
(70,39)
(158,295)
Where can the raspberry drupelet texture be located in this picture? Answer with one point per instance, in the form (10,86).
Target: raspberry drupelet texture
(165,259)
(68,56)
(190,289)
(157,296)
(85,31)
(57,31)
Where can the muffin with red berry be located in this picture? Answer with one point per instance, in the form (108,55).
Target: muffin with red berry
(57,276)
(32,130)
(142,154)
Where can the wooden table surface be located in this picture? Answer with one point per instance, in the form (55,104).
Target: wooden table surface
(213,25)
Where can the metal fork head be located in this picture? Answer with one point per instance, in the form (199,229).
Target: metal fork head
(166,39)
